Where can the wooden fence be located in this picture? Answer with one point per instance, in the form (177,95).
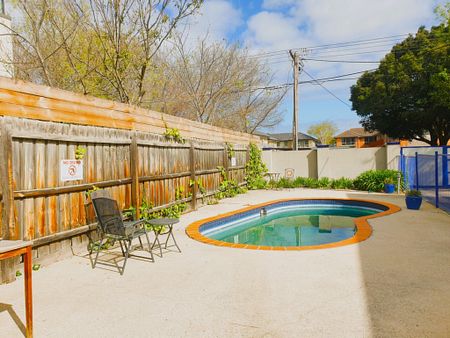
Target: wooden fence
(125,154)
(133,166)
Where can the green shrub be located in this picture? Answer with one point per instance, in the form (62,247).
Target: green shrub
(324,182)
(255,169)
(283,183)
(299,182)
(373,180)
(341,183)
(227,187)
(310,183)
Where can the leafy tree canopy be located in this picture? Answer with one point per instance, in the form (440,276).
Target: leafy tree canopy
(408,96)
(323,131)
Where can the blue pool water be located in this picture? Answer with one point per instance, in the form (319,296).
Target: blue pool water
(296,225)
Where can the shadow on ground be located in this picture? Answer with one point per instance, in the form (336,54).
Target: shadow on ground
(407,290)
(9,309)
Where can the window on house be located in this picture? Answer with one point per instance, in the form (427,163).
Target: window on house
(370,139)
(348,141)
(303,144)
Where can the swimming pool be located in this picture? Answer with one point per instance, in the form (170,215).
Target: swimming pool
(295,224)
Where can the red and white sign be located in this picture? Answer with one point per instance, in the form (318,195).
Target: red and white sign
(71,170)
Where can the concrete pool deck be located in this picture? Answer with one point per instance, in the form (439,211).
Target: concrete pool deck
(394,284)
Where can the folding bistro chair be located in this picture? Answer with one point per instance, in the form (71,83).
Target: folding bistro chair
(112,227)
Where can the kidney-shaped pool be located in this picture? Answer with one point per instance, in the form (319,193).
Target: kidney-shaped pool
(295,224)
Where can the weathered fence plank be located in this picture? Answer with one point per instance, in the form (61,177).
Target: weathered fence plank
(135,174)
(192,161)
(9,230)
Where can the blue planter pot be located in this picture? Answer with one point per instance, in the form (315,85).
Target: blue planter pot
(389,188)
(413,202)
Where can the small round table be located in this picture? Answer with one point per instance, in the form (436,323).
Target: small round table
(158,226)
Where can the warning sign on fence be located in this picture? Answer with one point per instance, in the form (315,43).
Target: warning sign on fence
(71,170)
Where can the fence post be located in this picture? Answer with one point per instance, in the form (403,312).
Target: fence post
(134,157)
(6,174)
(9,231)
(226,160)
(417,171)
(193,176)
(436,178)
(444,166)
(403,167)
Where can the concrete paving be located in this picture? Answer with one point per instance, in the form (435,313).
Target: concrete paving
(395,284)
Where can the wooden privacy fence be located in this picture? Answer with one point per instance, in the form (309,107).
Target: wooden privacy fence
(132,166)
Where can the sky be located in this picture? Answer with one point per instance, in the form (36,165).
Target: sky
(279,25)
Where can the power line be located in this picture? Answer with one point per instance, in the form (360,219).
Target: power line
(338,47)
(359,53)
(345,75)
(358,42)
(335,45)
(339,61)
(326,89)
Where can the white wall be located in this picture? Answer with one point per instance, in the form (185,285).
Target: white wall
(349,162)
(304,162)
(333,162)
(393,156)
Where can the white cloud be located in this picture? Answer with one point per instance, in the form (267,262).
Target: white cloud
(341,20)
(217,18)
(272,31)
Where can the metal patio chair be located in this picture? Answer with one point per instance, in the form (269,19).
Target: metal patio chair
(112,227)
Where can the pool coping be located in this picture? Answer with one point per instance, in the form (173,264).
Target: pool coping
(364,230)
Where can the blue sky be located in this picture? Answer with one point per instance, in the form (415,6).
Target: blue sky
(279,25)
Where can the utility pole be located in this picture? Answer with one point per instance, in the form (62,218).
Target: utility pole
(296,59)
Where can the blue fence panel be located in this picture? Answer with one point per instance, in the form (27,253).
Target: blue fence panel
(426,169)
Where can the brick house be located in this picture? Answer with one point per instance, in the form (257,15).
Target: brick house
(360,138)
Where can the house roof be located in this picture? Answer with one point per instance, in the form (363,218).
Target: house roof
(288,137)
(260,133)
(357,132)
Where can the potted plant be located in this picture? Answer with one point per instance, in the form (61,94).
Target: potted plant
(389,185)
(413,199)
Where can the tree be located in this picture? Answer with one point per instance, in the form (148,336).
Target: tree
(99,47)
(408,96)
(323,131)
(216,83)
(443,12)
